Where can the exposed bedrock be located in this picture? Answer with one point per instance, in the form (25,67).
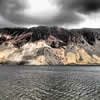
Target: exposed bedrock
(54,36)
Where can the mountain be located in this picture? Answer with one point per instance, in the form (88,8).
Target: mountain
(45,45)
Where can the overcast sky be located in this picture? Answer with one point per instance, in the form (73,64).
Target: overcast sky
(65,13)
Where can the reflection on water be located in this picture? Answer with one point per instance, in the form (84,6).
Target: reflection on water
(31,84)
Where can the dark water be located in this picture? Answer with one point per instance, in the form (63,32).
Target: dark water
(49,83)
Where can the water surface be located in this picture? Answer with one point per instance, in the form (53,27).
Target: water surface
(49,83)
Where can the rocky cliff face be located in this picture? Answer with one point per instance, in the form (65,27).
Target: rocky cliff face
(49,46)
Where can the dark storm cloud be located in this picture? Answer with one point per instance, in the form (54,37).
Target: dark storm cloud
(13,11)
(69,8)
(83,6)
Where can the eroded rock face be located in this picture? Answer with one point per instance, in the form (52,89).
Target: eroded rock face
(71,58)
(60,36)
(49,46)
(39,53)
(5,52)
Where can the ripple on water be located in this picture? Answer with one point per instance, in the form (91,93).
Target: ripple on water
(52,86)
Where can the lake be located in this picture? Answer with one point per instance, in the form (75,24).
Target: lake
(49,83)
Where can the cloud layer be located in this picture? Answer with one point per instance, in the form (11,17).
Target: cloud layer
(47,12)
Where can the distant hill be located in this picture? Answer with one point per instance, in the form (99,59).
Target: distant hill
(56,36)
(45,45)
